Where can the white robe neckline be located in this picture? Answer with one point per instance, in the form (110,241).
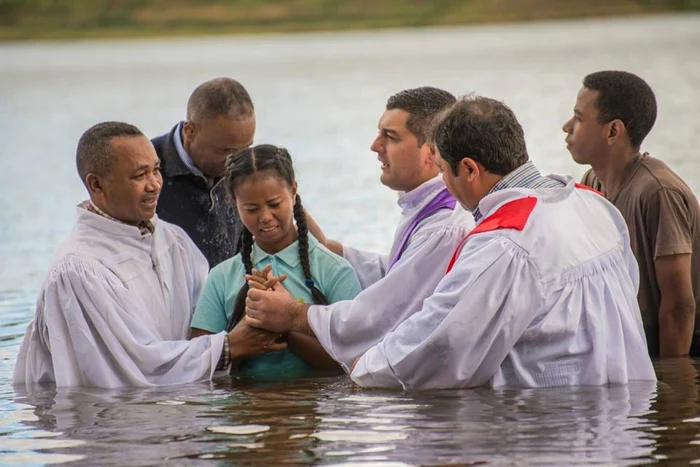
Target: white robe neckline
(493,201)
(421,195)
(109,226)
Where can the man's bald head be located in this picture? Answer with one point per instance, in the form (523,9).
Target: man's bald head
(223,97)
(220,121)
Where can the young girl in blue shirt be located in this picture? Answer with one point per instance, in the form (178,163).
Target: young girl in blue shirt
(261,182)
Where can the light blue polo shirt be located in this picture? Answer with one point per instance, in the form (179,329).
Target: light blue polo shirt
(332,275)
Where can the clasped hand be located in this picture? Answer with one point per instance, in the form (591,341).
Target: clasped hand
(247,341)
(269,305)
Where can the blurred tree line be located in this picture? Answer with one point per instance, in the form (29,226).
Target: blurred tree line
(77,18)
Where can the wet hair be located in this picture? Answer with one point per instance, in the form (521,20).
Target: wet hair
(484,130)
(95,153)
(423,104)
(219,97)
(626,97)
(239,167)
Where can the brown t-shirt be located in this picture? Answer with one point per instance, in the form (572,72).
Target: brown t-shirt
(663,218)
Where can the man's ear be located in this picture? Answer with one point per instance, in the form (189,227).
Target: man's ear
(94,184)
(616,130)
(430,154)
(470,168)
(188,130)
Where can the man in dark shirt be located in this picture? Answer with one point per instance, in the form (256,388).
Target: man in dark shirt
(613,114)
(220,121)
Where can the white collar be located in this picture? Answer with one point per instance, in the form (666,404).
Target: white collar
(491,202)
(421,195)
(114,227)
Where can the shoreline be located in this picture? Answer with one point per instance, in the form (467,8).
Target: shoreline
(50,30)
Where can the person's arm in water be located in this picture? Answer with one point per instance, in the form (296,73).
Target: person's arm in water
(309,349)
(316,231)
(677,310)
(246,341)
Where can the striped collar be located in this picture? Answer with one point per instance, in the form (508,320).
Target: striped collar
(182,152)
(145,227)
(525,176)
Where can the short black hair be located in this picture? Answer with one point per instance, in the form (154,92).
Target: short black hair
(484,130)
(626,97)
(95,153)
(423,105)
(219,97)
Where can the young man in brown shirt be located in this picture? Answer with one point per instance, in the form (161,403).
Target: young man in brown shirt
(613,114)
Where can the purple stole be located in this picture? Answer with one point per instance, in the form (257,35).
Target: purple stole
(443,200)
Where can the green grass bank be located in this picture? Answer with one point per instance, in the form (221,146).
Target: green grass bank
(86,19)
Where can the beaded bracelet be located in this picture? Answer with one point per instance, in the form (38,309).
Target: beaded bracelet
(225,358)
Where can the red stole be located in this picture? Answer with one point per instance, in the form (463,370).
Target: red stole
(512,215)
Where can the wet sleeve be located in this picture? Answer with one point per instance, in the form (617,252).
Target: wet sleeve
(100,334)
(465,329)
(347,329)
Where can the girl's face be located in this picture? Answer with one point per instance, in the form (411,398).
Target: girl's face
(266,205)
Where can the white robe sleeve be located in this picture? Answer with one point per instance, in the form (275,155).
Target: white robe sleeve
(88,331)
(370,267)
(348,328)
(200,271)
(466,328)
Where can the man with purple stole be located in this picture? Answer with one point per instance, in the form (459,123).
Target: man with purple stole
(431,226)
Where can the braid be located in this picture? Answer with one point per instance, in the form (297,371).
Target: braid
(303,232)
(246,257)
(247,250)
(284,165)
(246,163)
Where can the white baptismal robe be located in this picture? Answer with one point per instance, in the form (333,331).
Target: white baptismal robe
(348,328)
(115,309)
(552,304)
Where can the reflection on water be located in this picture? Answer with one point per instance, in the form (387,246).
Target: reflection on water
(676,413)
(321,96)
(330,420)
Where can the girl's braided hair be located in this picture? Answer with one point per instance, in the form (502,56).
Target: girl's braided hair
(242,165)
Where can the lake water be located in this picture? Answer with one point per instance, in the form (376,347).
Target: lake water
(321,95)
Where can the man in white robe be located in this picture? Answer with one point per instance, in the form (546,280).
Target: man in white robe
(429,229)
(542,292)
(115,307)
